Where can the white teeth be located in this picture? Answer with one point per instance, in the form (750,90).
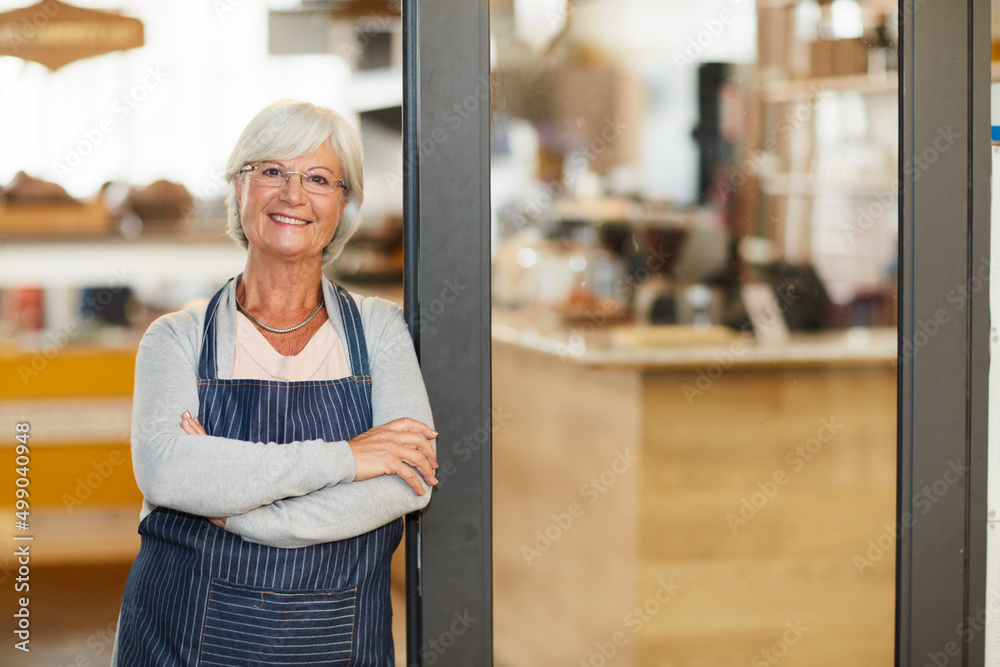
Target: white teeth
(288,221)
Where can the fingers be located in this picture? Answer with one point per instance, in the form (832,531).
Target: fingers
(405,424)
(408,464)
(415,434)
(400,447)
(422,463)
(417,452)
(407,474)
(419,445)
(191,425)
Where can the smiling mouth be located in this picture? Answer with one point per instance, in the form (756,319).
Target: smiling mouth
(287,221)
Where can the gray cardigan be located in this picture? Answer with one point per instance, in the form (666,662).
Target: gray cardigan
(290,495)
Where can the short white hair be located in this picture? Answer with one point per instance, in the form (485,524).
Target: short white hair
(289,129)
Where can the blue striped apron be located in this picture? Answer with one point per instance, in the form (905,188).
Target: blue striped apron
(198,595)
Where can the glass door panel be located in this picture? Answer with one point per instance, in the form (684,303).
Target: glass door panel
(694,337)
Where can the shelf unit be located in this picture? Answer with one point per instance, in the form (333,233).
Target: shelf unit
(827,146)
(793,184)
(797,90)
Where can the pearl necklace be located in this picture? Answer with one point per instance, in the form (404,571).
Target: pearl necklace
(278,331)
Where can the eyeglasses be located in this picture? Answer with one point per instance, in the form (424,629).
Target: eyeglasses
(318,181)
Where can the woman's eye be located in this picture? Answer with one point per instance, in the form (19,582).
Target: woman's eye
(318,180)
(271,171)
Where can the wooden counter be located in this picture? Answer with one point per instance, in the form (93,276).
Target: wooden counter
(693,505)
(622,478)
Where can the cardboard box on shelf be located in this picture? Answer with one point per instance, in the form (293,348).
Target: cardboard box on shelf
(850,56)
(838,57)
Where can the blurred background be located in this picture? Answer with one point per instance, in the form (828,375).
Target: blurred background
(115,128)
(694,297)
(694,252)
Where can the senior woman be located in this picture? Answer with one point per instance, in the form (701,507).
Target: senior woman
(279,434)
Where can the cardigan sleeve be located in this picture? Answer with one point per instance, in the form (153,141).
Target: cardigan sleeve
(202,474)
(346,510)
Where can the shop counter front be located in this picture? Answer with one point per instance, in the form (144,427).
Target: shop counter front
(68,489)
(682,497)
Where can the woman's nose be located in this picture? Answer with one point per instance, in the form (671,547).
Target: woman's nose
(293,190)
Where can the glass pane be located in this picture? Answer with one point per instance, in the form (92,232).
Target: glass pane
(694,357)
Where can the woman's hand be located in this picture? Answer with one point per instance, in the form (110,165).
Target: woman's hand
(192,426)
(401,447)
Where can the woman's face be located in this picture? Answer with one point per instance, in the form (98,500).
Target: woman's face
(287,221)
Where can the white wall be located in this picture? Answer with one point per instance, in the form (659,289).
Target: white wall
(171,109)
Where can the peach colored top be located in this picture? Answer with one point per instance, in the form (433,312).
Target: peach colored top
(323,357)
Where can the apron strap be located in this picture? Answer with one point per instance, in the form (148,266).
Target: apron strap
(357,348)
(208,369)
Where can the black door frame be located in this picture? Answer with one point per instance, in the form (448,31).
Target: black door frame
(944,331)
(446,169)
(943,327)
